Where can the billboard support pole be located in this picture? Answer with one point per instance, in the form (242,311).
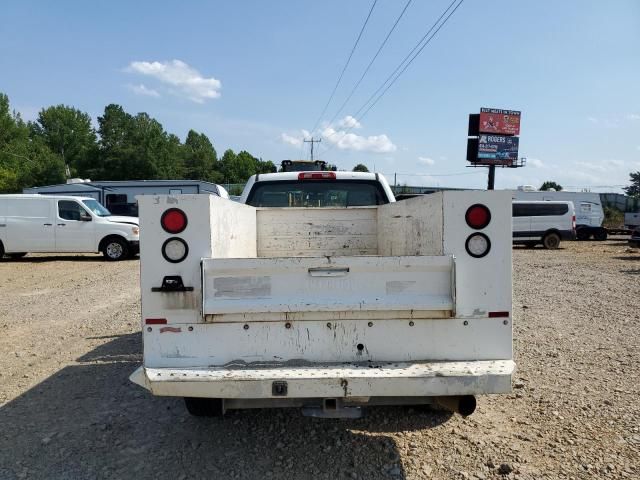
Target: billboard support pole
(492,177)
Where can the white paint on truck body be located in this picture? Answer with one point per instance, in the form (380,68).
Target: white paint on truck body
(316,297)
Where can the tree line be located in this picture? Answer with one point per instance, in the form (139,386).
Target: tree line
(62,143)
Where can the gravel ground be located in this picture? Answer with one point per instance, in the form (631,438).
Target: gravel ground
(67,410)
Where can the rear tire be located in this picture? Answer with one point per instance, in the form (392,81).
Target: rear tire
(204,407)
(115,248)
(601,235)
(551,241)
(16,256)
(1,250)
(581,235)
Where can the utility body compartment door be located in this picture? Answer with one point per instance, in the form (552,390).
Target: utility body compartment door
(328,288)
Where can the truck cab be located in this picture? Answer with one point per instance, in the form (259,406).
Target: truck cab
(319,291)
(317,189)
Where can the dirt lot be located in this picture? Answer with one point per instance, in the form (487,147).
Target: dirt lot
(67,410)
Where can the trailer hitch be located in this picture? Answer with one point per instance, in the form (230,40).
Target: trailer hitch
(172,283)
(332,408)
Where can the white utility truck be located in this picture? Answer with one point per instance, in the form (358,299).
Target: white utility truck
(55,224)
(320,291)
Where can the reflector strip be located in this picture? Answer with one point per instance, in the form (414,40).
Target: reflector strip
(170,329)
(155,321)
(498,314)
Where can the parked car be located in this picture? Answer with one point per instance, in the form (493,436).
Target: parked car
(39,223)
(543,222)
(634,241)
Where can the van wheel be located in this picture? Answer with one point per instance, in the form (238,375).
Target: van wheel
(115,249)
(581,235)
(15,256)
(204,407)
(1,250)
(601,235)
(551,240)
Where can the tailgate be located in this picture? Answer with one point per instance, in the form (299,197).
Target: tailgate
(327,288)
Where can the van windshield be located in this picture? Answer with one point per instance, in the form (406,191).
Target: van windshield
(96,208)
(317,193)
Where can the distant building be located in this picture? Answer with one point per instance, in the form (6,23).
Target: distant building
(119,196)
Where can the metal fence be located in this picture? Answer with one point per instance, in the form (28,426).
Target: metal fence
(620,201)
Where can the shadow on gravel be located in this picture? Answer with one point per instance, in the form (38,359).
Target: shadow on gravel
(631,257)
(89,421)
(631,272)
(62,258)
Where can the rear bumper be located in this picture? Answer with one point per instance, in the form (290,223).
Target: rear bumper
(427,379)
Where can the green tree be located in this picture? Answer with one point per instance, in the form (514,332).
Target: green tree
(633,190)
(172,162)
(149,149)
(360,168)
(136,147)
(266,166)
(115,128)
(67,132)
(25,160)
(548,185)
(200,159)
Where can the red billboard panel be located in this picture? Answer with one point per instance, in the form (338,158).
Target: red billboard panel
(502,122)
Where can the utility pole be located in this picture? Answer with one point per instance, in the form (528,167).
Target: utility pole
(312,141)
(492,177)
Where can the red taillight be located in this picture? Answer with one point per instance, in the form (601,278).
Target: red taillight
(155,321)
(478,216)
(574,222)
(174,220)
(316,176)
(498,314)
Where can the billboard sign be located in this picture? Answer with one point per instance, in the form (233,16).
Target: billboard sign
(502,122)
(497,150)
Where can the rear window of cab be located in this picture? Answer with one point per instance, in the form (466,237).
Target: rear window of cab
(317,193)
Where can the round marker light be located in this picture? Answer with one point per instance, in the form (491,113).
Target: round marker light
(478,216)
(175,250)
(173,220)
(478,245)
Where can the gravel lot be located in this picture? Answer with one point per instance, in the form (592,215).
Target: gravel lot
(67,410)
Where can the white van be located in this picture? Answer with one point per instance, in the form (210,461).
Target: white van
(37,223)
(543,222)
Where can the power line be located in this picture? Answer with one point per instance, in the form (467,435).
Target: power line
(401,68)
(412,59)
(432,175)
(366,70)
(344,68)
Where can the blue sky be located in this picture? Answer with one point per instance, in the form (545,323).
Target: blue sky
(254,75)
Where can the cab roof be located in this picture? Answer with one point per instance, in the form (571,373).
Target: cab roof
(274,177)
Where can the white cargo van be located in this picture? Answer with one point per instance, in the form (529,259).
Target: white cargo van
(543,222)
(322,292)
(587,205)
(38,223)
